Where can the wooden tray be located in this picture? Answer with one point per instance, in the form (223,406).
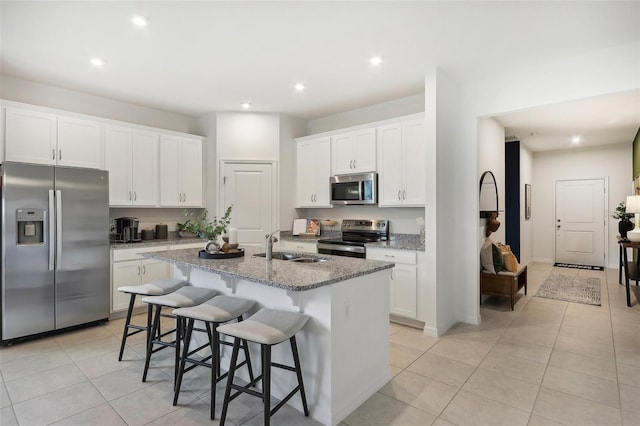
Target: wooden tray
(204,255)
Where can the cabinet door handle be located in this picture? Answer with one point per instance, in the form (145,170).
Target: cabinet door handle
(53,154)
(138,269)
(144,269)
(390,255)
(354,164)
(135,195)
(184,197)
(399,194)
(315,198)
(129,195)
(59,154)
(404,194)
(311,198)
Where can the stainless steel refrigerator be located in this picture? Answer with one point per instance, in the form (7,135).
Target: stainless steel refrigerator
(54,256)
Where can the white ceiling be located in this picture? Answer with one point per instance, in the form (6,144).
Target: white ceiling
(199,57)
(603,120)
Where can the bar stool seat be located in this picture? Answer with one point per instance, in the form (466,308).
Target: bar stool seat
(181,298)
(153,288)
(213,312)
(267,327)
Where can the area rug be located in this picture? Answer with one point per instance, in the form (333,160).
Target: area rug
(571,289)
(575,266)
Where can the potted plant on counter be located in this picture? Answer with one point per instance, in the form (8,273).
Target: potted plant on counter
(190,228)
(211,230)
(625,225)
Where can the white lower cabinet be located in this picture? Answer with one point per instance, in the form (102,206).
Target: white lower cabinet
(129,268)
(305,247)
(404,280)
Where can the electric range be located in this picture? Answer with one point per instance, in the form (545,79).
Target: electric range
(355,234)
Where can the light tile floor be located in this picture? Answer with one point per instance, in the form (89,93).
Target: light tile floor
(546,363)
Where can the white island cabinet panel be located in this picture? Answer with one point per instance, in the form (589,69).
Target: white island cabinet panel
(30,136)
(79,143)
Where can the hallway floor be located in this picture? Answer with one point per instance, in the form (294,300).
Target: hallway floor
(546,363)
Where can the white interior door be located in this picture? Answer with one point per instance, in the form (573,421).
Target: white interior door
(249,187)
(580,221)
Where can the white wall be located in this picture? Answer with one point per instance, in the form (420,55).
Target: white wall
(150,217)
(526,226)
(18,90)
(491,157)
(396,108)
(577,77)
(247,136)
(206,125)
(612,162)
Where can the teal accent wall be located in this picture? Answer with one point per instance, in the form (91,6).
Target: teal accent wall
(636,154)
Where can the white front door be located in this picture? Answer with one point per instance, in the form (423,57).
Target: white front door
(249,187)
(580,221)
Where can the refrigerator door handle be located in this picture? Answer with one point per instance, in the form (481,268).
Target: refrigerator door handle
(52,230)
(58,228)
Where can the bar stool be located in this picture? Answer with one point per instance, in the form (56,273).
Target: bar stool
(184,297)
(267,327)
(153,288)
(213,312)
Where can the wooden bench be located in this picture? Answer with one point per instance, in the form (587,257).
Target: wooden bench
(503,283)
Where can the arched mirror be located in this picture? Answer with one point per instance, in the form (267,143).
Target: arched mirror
(488,195)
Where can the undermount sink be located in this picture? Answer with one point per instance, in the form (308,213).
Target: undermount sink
(308,260)
(292,257)
(280,255)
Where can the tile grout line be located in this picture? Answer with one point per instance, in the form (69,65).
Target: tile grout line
(615,358)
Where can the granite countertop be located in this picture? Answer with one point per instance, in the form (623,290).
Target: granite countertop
(276,273)
(150,243)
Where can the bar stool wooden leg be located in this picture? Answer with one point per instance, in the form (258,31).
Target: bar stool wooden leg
(266,383)
(155,328)
(183,360)
(125,332)
(231,374)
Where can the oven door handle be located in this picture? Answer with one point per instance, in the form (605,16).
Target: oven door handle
(340,247)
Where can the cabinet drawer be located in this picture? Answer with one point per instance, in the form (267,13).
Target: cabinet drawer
(119,255)
(306,247)
(399,256)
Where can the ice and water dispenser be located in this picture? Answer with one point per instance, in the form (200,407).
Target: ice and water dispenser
(30,226)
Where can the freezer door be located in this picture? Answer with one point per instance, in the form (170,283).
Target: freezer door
(27,275)
(82,253)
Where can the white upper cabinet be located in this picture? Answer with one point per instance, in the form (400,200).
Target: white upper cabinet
(30,136)
(117,160)
(313,172)
(144,172)
(180,171)
(79,143)
(354,152)
(131,157)
(401,174)
(45,138)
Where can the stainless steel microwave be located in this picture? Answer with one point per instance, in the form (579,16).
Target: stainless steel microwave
(361,188)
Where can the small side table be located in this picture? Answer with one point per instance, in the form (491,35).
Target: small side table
(631,269)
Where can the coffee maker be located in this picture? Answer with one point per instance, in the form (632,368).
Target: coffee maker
(127,229)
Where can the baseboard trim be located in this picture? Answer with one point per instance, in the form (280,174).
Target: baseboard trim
(410,322)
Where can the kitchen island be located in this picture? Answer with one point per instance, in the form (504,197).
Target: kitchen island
(344,347)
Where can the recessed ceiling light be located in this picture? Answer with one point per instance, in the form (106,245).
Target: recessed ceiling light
(375,61)
(299,87)
(245,105)
(576,140)
(139,21)
(97,62)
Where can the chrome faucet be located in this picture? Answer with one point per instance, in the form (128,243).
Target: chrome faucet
(268,246)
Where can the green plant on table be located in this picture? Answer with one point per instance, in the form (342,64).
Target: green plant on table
(191,224)
(210,230)
(621,212)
